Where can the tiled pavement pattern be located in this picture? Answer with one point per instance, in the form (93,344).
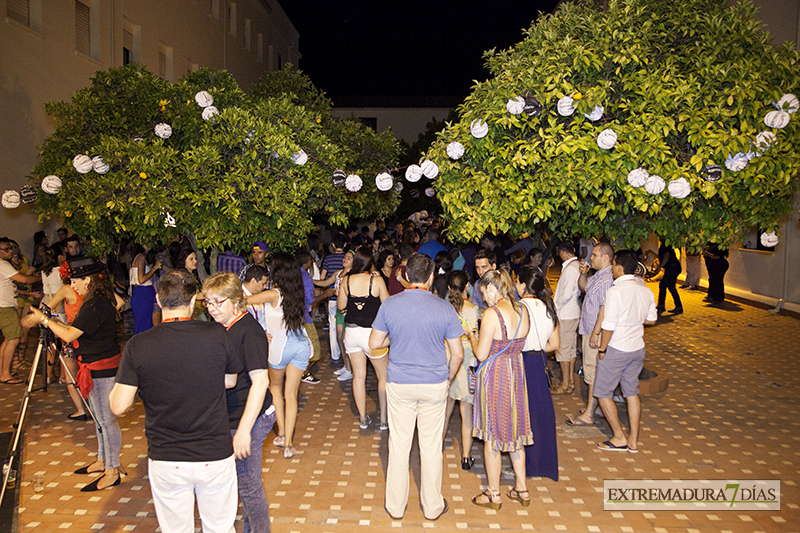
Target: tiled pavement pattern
(731,411)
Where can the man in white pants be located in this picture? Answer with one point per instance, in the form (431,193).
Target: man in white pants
(181,369)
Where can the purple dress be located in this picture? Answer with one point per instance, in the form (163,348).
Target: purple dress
(500,406)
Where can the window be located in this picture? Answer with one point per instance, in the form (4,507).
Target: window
(260,47)
(165,60)
(131,43)
(127,47)
(19,11)
(232,18)
(83,28)
(247,34)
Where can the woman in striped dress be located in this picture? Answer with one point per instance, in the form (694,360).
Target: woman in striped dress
(500,414)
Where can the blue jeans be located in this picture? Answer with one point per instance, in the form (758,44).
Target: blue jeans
(251,487)
(109,441)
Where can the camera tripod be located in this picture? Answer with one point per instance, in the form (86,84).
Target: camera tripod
(46,346)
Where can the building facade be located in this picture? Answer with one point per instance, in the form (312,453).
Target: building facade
(51,48)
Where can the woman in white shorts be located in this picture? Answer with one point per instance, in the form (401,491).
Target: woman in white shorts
(361,294)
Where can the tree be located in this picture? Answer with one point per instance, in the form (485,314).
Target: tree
(254,168)
(683,84)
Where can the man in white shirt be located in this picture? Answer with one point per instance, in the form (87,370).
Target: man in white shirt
(254,282)
(629,306)
(569,315)
(9,319)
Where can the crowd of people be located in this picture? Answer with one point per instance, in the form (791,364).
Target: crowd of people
(218,360)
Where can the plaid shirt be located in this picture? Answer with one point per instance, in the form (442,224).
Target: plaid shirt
(230,262)
(596,289)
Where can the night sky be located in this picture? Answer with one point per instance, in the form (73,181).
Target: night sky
(409,48)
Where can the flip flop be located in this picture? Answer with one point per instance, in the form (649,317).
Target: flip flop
(12,381)
(606,446)
(578,423)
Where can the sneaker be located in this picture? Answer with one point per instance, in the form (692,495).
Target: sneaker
(364,424)
(384,426)
(345,376)
(326,326)
(309,378)
(340,371)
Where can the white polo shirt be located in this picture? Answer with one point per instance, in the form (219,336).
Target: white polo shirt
(8,292)
(629,304)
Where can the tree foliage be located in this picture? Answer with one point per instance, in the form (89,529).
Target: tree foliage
(230,180)
(683,83)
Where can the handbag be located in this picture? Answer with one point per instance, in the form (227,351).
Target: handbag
(473,370)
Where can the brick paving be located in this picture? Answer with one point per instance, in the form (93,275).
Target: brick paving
(731,412)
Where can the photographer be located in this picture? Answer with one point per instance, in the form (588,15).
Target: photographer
(98,358)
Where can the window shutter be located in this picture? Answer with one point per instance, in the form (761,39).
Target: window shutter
(82,28)
(162,65)
(19,11)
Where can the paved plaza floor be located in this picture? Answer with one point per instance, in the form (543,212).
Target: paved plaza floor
(731,412)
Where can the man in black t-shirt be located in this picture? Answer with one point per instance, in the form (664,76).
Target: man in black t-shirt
(181,369)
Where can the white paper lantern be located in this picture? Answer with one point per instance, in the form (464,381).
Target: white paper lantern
(299,158)
(163,130)
(82,163)
(777,119)
(607,139)
(638,176)
(765,140)
(515,105)
(413,173)
(596,114)
(654,184)
(204,98)
(10,199)
(565,107)
(479,129)
(169,221)
(737,162)
(51,184)
(429,169)
(210,112)
(789,103)
(455,150)
(679,188)
(353,183)
(100,166)
(769,240)
(384,181)
(429,192)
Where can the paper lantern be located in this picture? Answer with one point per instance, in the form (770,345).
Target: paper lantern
(10,199)
(28,194)
(163,130)
(769,240)
(204,99)
(765,140)
(338,178)
(455,150)
(565,107)
(679,188)
(99,166)
(398,186)
(515,105)
(169,221)
(596,114)
(479,129)
(638,176)
(429,169)
(353,183)
(712,173)
(607,139)
(414,193)
(299,158)
(413,173)
(51,184)
(210,112)
(82,163)
(737,162)
(429,192)
(384,181)
(533,107)
(654,185)
(789,103)
(777,119)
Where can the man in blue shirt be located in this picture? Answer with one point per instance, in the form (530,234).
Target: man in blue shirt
(417,324)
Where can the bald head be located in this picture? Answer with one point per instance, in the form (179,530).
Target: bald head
(602,256)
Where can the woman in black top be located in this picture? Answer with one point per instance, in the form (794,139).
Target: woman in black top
(361,295)
(95,329)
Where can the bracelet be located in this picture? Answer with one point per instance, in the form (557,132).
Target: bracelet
(601,351)
(46,322)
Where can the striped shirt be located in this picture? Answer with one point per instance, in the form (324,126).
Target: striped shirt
(596,288)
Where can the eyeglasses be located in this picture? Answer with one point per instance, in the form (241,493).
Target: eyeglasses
(5,249)
(212,303)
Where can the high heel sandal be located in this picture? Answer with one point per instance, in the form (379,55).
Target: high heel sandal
(488,503)
(92,487)
(467,462)
(516,495)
